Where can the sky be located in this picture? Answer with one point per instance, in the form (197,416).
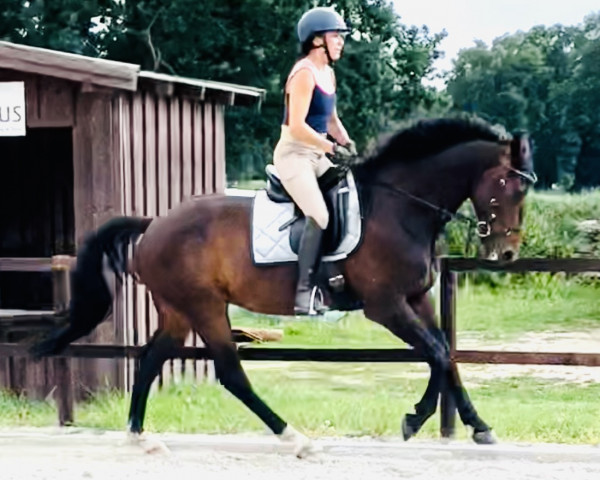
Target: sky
(468,20)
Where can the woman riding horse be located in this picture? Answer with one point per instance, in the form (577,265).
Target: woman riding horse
(300,155)
(418,180)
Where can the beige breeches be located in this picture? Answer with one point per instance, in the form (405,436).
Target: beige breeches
(299,165)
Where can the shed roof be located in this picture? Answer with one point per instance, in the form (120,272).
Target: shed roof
(100,72)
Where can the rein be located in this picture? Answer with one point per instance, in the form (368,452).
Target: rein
(444,214)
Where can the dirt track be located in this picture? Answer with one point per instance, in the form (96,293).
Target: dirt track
(75,453)
(36,454)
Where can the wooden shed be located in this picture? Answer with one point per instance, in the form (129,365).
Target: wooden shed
(103,139)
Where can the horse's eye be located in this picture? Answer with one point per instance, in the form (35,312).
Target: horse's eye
(502,182)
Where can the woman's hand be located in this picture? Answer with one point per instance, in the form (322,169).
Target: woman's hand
(345,154)
(351,146)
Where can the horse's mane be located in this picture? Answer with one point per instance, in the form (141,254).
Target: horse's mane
(427,137)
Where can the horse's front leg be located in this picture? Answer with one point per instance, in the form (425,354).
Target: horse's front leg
(402,319)
(481,431)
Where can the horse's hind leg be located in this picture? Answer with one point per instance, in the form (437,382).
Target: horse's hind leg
(216,333)
(155,353)
(172,334)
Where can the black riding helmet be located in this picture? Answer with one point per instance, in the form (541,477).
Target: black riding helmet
(318,21)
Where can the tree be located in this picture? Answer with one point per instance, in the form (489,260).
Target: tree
(546,81)
(65,25)
(250,42)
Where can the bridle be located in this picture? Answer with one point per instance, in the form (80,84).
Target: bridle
(483,228)
(529,177)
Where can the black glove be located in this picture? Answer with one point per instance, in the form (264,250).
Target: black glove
(345,154)
(351,145)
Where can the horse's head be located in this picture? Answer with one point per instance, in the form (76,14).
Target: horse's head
(499,200)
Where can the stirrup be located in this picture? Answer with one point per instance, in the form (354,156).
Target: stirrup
(316,304)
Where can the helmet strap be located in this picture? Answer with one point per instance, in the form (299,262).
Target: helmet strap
(329,59)
(324,47)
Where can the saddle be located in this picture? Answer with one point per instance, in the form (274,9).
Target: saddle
(334,187)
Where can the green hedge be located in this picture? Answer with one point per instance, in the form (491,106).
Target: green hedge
(556,225)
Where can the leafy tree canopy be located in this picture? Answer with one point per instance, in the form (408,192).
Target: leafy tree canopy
(251,42)
(547,81)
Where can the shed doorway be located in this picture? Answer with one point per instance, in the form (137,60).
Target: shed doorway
(36,210)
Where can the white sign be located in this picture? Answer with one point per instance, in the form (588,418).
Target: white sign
(12,109)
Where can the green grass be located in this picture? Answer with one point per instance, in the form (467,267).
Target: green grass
(19,411)
(349,399)
(371,399)
(545,304)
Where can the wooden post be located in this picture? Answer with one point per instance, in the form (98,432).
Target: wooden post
(64,390)
(448,325)
(61,268)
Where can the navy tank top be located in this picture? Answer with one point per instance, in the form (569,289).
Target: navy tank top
(320,109)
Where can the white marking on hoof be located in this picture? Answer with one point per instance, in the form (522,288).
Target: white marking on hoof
(148,445)
(302,444)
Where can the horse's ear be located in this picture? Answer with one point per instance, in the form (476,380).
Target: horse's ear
(520,152)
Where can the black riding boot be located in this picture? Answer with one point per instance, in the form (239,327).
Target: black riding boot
(308,299)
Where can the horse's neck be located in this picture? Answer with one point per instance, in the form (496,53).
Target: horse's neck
(443,182)
(447,179)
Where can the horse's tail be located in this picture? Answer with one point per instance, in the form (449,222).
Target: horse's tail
(91,294)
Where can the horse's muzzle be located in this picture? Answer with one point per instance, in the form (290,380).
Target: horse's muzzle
(507,254)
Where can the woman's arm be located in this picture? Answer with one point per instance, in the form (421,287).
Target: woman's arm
(300,90)
(337,130)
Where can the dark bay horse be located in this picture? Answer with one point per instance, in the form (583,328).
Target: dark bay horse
(197,260)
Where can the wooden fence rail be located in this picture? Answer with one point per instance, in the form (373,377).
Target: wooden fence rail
(54,370)
(448,287)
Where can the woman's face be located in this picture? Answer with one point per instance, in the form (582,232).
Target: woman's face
(335,44)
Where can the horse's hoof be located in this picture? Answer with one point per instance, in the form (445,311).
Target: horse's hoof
(484,437)
(132,438)
(303,447)
(407,430)
(151,446)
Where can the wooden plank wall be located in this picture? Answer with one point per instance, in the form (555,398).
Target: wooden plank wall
(136,154)
(171,148)
(50,101)
(97,199)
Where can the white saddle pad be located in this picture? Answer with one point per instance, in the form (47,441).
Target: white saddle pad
(270,246)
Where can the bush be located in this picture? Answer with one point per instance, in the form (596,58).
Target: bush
(556,225)
(553,225)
